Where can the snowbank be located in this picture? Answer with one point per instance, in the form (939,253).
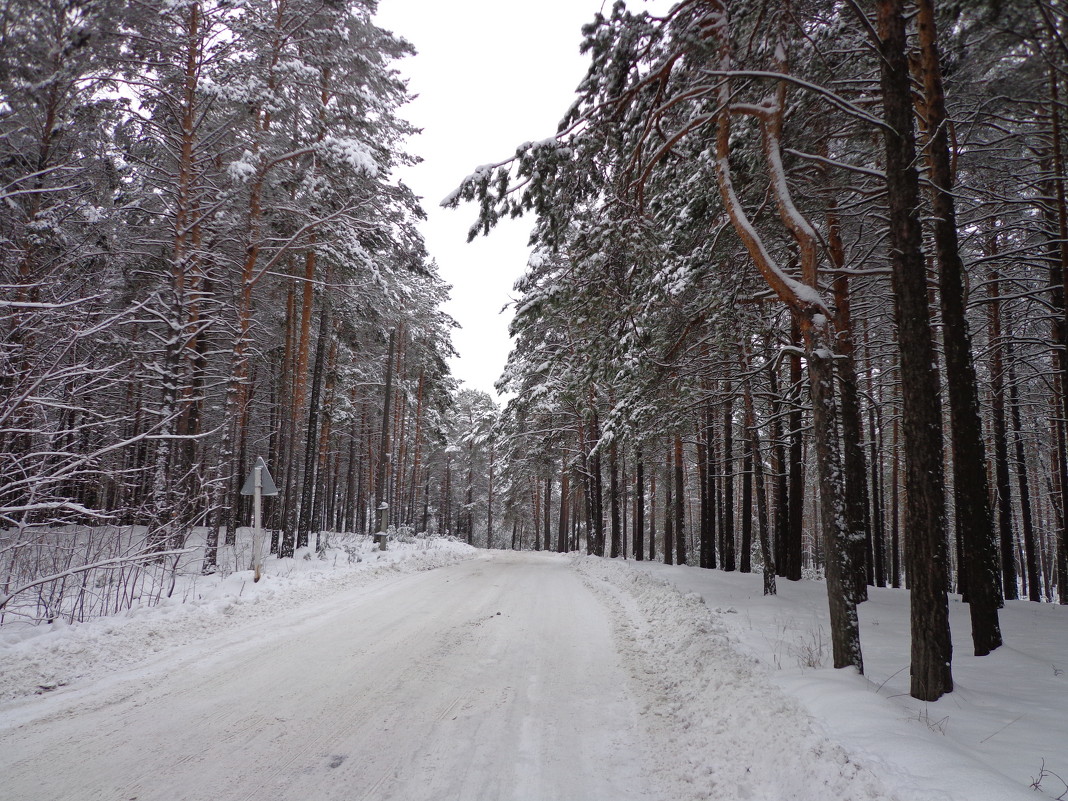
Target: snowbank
(37,659)
(730,732)
(989,740)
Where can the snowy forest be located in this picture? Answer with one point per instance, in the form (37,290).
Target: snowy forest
(205,259)
(795,305)
(797,301)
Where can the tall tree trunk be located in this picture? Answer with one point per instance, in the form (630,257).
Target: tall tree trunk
(381,506)
(652,513)
(597,487)
(325,485)
(446,498)
(639,508)
(1034,588)
(468,517)
(877,531)
(397,464)
(746,560)
(565,506)
(856,468)
(669,513)
(613,499)
(307,494)
(726,550)
(971,490)
(708,530)
(489,497)
(680,500)
(547,511)
(812,314)
(240,440)
(839,568)
(895,509)
(1059,295)
(763,534)
(425,527)
(702,486)
(413,504)
(535,511)
(288,458)
(1002,482)
(352,472)
(932,648)
(587,491)
(624,495)
(781,482)
(168,506)
(797,464)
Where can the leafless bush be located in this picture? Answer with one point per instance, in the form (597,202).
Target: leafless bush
(810,651)
(75,573)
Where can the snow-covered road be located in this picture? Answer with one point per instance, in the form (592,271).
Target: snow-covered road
(495,678)
(434,671)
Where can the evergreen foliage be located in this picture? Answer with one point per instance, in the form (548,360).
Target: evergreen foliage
(719,222)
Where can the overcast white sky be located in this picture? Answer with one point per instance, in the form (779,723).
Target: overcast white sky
(490,74)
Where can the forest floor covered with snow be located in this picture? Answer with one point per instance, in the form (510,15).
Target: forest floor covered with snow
(1000,735)
(435,671)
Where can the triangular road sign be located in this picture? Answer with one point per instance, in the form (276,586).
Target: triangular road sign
(267,485)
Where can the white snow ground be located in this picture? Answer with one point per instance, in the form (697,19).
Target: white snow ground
(598,679)
(989,740)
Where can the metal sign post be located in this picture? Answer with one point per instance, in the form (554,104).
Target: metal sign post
(258,484)
(257,524)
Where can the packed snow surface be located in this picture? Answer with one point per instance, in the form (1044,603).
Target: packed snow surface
(434,671)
